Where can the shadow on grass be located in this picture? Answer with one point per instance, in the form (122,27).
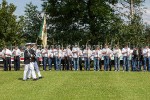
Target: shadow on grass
(20,79)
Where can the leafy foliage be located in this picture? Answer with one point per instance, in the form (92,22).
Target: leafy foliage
(76,21)
(10,26)
(32,23)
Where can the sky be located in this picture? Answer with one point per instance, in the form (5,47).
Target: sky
(22,3)
(146,16)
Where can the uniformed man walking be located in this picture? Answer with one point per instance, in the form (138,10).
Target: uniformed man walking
(29,59)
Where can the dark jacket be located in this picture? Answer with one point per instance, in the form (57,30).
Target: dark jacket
(27,57)
(140,55)
(135,54)
(33,55)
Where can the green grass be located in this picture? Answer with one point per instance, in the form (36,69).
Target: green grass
(70,85)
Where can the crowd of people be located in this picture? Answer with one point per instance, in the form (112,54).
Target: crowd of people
(75,58)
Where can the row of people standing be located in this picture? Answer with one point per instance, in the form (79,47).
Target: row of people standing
(6,55)
(66,58)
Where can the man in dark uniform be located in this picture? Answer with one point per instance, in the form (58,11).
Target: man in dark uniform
(34,59)
(29,59)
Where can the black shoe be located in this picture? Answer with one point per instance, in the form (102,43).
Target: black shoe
(35,79)
(40,77)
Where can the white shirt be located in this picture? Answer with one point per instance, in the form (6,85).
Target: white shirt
(97,53)
(8,53)
(63,53)
(131,52)
(75,52)
(53,51)
(126,51)
(16,52)
(44,53)
(106,52)
(58,53)
(68,52)
(80,53)
(117,53)
(110,54)
(50,54)
(146,52)
(87,53)
(38,53)
(3,53)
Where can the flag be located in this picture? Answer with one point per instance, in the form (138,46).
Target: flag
(43,33)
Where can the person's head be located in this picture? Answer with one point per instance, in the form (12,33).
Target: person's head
(16,47)
(75,45)
(28,46)
(35,46)
(58,47)
(52,47)
(97,47)
(126,46)
(146,47)
(106,46)
(116,47)
(88,47)
(134,48)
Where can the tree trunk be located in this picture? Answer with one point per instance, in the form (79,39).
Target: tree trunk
(131,9)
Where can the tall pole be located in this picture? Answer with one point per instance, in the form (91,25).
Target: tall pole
(131,9)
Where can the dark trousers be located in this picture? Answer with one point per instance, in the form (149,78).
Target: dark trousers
(63,63)
(45,60)
(140,63)
(4,62)
(68,62)
(134,64)
(106,63)
(58,63)
(100,64)
(80,63)
(50,63)
(110,62)
(8,63)
(16,63)
(54,62)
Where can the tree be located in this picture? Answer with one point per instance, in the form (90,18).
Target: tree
(32,23)
(9,25)
(132,27)
(74,20)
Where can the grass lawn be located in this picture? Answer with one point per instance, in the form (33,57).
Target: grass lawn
(70,85)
